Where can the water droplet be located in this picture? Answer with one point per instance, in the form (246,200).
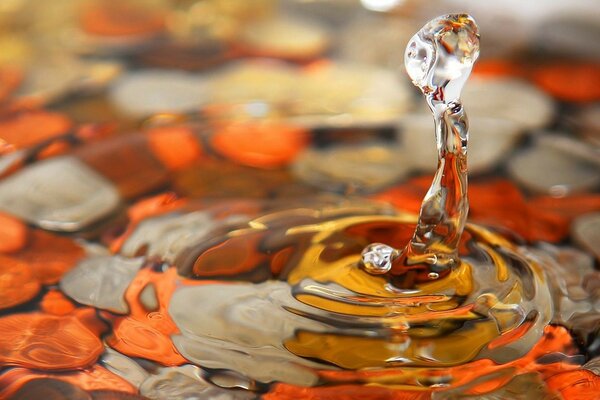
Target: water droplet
(442,53)
(439,59)
(377,258)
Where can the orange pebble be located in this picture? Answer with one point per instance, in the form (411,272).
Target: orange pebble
(53,149)
(47,342)
(234,256)
(27,128)
(49,256)
(13,234)
(498,203)
(260,144)
(569,207)
(10,79)
(176,147)
(570,82)
(93,378)
(18,284)
(576,385)
(496,68)
(138,339)
(154,205)
(113,18)
(36,258)
(55,303)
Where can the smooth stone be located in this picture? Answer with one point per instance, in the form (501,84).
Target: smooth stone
(166,236)
(186,382)
(142,93)
(101,282)
(50,389)
(587,121)
(490,140)
(333,95)
(550,170)
(124,366)
(368,39)
(346,168)
(285,36)
(508,99)
(253,82)
(149,297)
(59,194)
(586,233)
(241,326)
(349,94)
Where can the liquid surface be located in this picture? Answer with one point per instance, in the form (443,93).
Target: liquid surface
(204,255)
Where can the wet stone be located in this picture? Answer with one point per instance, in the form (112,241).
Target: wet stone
(153,91)
(186,382)
(586,233)
(125,367)
(549,170)
(37,194)
(365,168)
(166,236)
(241,326)
(509,99)
(285,37)
(490,141)
(50,389)
(101,282)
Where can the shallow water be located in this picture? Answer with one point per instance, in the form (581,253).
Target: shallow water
(203,256)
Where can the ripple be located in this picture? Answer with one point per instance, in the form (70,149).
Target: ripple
(47,342)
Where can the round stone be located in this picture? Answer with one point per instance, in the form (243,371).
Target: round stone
(586,232)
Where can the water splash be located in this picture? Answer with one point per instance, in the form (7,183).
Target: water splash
(439,59)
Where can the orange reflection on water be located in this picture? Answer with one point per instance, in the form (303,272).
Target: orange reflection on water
(93,378)
(49,256)
(469,377)
(47,342)
(17,283)
(342,392)
(142,209)
(146,333)
(30,258)
(575,385)
(500,204)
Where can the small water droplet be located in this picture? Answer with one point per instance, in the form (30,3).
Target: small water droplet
(377,258)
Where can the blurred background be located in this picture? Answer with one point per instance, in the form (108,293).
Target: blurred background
(333,68)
